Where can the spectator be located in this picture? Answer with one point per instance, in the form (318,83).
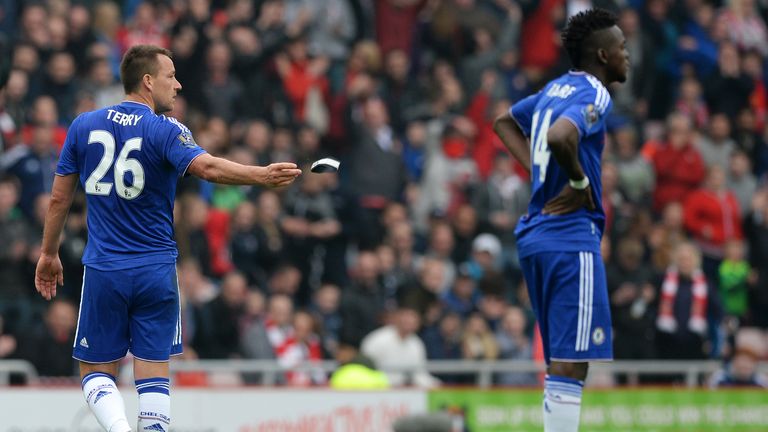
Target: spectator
(463,296)
(195,291)
(757,224)
(305,83)
(514,344)
(687,299)
(745,27)
(465,229)
(363,302)
(33,164)
(678,164)
(691,102)
(501,200)
(60,83)
(279,322)
(301,347)
(741,182)
(478,342)
(441,244)
(220,88)
(489,47)
(356,371)
(397,346)
(14,234)
(716,146)
(734,278)
(330,30)
(285,280)
(712,216)
(325,310)
(727,88)
(486,255)
(395,21)
(741,372)
(666,235)
(404,95)
(450,170)
(428,288)
(636,175)
(663,32)
(15,100)
(444,341)
(375,184)
(633,301)
(49,347)
(101,81)
(248,244)
(143,28)
(217,334)
(749,140)
(309,223)
(191,236)
(72,248)
(752,63)
(44,113)
(254,341)
(702,33)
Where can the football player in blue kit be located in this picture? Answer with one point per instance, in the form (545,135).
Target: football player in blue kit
(558,134)
(128,158)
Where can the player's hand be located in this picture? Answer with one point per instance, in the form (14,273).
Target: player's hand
(569,200)
(281,174)
(49,272)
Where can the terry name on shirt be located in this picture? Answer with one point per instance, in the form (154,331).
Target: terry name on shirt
(123,119)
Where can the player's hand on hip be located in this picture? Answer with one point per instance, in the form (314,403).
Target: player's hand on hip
(569,200)
(48,274)
(281,174)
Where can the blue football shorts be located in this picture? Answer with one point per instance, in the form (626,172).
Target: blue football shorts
(569,296)
(134,310)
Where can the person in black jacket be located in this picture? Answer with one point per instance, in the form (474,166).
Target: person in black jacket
(49,347)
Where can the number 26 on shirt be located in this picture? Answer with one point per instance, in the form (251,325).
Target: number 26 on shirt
(539,148)
(123,164)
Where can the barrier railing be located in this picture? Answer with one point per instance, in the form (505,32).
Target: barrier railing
(267,372)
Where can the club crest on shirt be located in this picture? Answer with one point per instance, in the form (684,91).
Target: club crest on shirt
(185,139)
(591,116)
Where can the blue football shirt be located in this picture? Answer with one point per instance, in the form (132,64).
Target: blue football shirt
(583,100)
(129,160)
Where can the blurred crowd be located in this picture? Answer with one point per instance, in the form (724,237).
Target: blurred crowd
(408,253)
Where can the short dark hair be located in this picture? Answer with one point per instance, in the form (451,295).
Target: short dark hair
(138,61)
(579,29)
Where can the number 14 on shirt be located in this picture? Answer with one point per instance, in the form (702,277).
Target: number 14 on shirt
(540,149)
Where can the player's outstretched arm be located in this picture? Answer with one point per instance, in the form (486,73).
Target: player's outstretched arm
(513,138)
(223,171)
(49,271)
(563,141)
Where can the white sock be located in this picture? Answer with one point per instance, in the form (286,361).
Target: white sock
(562,404)
(105,402)
(154,404)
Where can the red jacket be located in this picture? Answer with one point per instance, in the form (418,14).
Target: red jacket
(678,173)
(719,214)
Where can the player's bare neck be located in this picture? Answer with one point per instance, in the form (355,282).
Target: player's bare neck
(596,71)
(138,97)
